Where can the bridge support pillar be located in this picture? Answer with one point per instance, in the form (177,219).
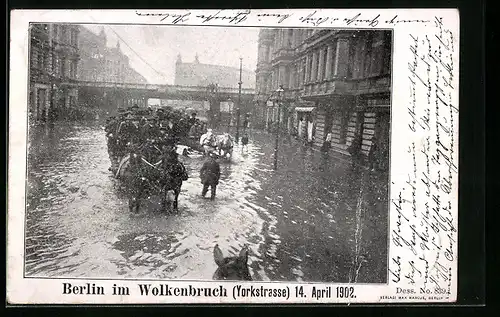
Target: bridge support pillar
(214,113)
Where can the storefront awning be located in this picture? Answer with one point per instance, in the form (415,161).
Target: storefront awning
(304,109)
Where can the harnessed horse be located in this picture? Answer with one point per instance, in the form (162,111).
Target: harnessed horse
(132,171)
(225,145)
(140,176)
(174,174)
(209,143)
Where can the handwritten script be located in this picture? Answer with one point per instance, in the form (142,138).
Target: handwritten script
(424,234)
(310,18)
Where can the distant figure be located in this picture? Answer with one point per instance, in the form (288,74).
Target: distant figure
(244,142)
(327,143)
(310,131)
(193,131)
(245,124)
(300,128)
(210,175)
(373,154)
(192,120)
(127,130)
(355,150)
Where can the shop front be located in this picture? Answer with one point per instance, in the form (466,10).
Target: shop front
(376,129)
(337,116)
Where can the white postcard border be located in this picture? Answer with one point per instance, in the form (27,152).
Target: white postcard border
(416,91)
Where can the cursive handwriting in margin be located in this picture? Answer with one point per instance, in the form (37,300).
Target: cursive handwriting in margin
(425,235)
(309,18)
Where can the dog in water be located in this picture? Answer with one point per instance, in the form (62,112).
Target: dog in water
(232,268)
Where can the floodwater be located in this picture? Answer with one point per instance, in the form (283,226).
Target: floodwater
(314,219)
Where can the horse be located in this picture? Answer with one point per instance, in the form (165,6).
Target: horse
(225,145)
(209,143)
(174,173)
(231,268)
(134,175)
(207,149)
(141,177)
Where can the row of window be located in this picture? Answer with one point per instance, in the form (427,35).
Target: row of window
(360,57)
(291,38)
(65,34)
(53,64)
(284,38)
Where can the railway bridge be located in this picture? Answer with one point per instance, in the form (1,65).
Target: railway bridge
(110,96)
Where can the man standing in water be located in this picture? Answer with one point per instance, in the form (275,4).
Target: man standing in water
(209,175)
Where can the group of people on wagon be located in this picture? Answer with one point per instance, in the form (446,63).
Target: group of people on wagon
(151,132)
(154,135)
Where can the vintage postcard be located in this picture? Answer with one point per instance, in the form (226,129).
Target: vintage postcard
(233,156)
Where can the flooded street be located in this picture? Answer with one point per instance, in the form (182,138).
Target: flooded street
(315,219)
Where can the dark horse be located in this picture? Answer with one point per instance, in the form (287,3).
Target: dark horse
(232,268)
(141,177)
(133,172)
(174,173)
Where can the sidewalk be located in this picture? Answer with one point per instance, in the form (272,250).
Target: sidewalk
(333,152)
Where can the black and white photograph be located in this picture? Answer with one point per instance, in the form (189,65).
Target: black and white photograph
(208,153)
(290,156)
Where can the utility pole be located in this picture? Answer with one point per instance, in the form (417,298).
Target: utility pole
(279,92)
(239,105)
(229,101)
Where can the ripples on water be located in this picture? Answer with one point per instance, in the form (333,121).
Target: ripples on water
(298,222)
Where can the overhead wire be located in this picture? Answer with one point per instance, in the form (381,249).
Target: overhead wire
(137,54)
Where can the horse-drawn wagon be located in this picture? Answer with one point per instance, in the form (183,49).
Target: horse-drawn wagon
(143,152)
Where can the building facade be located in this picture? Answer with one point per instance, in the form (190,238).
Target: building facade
(204,75)
(100,63)
(201,75)
(336,81)
(54,58)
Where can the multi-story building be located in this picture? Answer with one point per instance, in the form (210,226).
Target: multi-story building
(100,63)
(339,80)
(203,75)
(200,74)
(54,57)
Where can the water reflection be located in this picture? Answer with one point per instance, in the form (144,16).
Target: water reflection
(312,220)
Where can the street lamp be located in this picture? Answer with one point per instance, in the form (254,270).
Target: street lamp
(50,110)
(239,105)
(279,91)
